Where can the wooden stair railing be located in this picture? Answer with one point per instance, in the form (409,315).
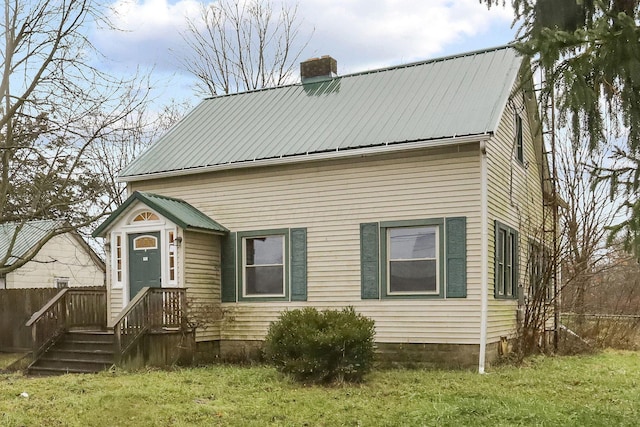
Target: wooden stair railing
(151,309)
(69,308)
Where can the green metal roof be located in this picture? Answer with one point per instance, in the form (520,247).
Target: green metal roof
(28,237)
(177,211)
(461,95)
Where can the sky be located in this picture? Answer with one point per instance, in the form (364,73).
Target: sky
(359,34)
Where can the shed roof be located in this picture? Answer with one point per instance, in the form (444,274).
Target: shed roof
(462,95)
(177,211)
(31,233)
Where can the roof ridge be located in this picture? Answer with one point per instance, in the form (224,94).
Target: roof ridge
(431,60)
(161,196)
(374,70)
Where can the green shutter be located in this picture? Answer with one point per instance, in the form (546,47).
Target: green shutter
(516,263)
(498,243)
(228,291)
(369,260)
(298,264)
(456,263)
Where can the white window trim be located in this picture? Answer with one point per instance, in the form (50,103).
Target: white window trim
(436,259)
(172,252)
(244,267)
(115,283)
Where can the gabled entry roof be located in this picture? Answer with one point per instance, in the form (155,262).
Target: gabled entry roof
(175,210)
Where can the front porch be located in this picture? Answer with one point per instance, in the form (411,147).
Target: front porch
(71,333)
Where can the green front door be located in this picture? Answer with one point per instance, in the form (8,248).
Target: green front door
(144,262)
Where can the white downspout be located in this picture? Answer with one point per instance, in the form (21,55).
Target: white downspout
(484,258)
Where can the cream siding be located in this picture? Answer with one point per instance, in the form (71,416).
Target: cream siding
(515,199)
(331,199)
(63,256)
(202,280)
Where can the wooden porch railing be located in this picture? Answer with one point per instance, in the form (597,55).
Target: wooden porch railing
(71,307)
(151,309)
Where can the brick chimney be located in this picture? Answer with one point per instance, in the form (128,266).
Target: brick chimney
(317,69)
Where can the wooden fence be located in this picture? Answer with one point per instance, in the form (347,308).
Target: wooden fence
(16,308)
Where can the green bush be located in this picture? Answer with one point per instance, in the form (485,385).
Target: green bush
(321,347)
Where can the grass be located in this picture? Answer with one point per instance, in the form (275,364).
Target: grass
(7,359)
(597,390)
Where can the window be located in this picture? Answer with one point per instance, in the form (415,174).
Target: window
(146,216)
(144,243)
(118,258)
(506,261)
(172,256)
(419,258)
(519,146)
(263,266)
(412,260)
(61,282)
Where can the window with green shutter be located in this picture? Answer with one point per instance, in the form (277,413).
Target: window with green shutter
(414,259)
(265,265)
(506,262)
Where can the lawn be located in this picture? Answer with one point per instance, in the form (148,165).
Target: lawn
(7,359)
(599,390)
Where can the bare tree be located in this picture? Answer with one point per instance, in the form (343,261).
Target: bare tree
(55,106)
(582,253)
(139,129)
(585,221)
(240,45)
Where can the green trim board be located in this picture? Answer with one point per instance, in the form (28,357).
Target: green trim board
(177,211)
(456,257)
(229,273)
(298,272)
(370,260)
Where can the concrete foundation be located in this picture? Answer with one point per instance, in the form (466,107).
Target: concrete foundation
(388,355)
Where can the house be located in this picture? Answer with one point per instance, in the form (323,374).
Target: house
(413,193)
(64,260)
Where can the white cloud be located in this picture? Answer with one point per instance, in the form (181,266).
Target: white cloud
(366,34)
(148,31)
(360,34)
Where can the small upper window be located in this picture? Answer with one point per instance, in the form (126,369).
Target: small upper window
(146,216)
(61,282)
(413,262)
(519,147)
(145,242)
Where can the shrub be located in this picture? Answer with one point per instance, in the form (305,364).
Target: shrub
(321,347)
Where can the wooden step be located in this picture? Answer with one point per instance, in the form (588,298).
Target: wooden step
(76,352)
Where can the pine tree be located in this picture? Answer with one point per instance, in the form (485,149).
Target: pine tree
(589,51)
